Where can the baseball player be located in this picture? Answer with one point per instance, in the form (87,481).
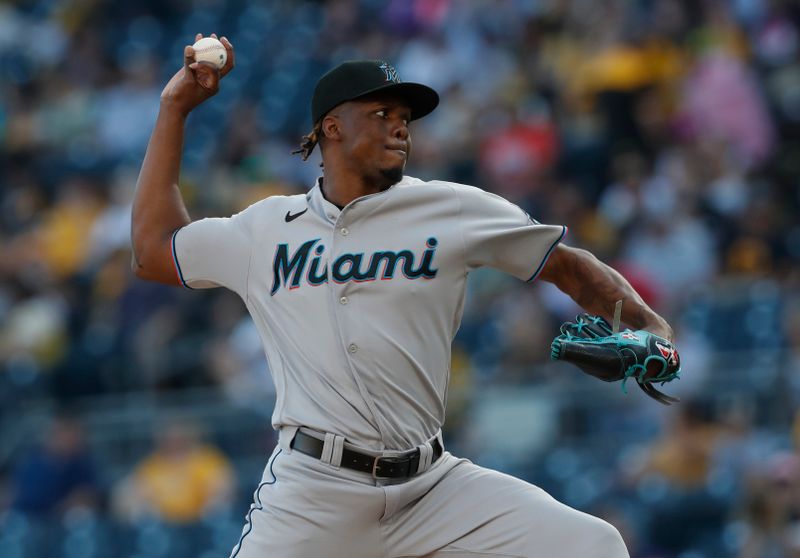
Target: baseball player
(357,289)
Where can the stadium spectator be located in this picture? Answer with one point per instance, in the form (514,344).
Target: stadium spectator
(57,475)
(182,481)
(770,511)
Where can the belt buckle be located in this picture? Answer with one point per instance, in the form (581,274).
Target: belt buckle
(396,460)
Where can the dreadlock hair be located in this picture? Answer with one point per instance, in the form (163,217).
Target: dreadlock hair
(309,141)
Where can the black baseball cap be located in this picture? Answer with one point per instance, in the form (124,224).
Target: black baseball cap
(357,78)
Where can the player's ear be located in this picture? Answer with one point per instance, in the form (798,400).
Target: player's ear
(330,127)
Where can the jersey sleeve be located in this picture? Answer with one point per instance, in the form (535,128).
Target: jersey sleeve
(499,234)
(213,252)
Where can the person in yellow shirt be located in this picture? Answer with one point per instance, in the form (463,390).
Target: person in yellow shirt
(181,481)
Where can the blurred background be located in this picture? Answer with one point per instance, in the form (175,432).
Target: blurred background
(134,418)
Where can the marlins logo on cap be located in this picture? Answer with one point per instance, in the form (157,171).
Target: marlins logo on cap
(356,78)
(391,73)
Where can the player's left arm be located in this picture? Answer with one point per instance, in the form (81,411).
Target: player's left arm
(597,287)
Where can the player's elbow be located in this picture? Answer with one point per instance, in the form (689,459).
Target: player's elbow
(138,253)
(138,267)
(564,264)
(152,260)
(156,273)
(572,270)
(135,266)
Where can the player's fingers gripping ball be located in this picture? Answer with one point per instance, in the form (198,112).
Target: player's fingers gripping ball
(590,343)
(211,50)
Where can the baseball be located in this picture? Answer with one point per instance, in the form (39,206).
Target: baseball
(209,49)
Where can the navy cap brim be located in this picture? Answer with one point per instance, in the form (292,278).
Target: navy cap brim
(421,99)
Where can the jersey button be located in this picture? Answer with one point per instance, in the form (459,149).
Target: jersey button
(344,231)
(344,300)
(352,348)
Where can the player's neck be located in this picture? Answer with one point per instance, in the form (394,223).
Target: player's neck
(340,188)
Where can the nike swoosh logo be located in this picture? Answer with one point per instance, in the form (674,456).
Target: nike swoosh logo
(289,217)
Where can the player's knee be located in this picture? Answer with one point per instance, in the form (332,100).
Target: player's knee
(607,542)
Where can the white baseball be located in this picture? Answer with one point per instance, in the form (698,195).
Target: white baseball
(209,49)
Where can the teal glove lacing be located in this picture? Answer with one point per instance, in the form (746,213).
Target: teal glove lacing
(639,371)
(636,371)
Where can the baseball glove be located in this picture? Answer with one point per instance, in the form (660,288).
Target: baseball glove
(590,343)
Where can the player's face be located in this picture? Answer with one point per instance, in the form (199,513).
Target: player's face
(375,137)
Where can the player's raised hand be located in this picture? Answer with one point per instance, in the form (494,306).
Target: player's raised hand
(196,81)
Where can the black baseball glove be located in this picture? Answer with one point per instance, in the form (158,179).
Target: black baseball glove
(590,343)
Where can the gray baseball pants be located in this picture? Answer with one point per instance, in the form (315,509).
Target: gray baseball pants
(306,508)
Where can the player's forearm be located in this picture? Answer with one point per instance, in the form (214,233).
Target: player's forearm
(596,287)
(158,208)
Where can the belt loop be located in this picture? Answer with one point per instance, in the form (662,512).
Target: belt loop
(336,452)
(332,450)
(285,437)
(425,457)
(327,448)
(426,452)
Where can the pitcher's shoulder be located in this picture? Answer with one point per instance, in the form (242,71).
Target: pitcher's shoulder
(274,206)
(442,187)
(261,215)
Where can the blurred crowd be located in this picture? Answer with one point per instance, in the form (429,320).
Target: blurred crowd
(664,133)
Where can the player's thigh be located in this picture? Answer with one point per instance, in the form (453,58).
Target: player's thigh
(303,509)
(474,511)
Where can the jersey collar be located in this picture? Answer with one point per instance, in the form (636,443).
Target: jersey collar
(328,211)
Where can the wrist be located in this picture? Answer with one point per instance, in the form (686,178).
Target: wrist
(172,111)
(660,327)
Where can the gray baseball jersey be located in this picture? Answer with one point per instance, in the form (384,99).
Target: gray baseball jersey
(357,308)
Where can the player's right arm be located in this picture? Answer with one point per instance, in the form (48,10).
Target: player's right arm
(158,208)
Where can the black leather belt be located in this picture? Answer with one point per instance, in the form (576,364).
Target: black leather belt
(402,466)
